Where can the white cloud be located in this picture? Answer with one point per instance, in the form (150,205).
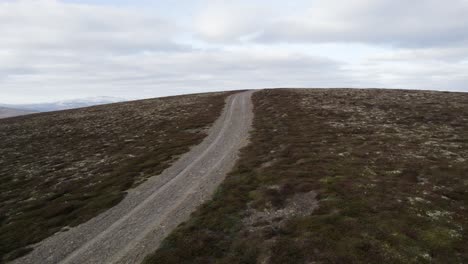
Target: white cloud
(411,73)
(445,54)
(159,73)
(53,50)
(51,24)
(417,23)
(228,20)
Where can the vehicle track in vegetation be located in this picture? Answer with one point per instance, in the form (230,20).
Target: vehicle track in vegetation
(129,231)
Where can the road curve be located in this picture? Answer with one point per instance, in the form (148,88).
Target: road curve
(135,227)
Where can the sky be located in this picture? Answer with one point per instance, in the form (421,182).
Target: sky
(57,50)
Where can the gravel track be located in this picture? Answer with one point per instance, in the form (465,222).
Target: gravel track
(136,226)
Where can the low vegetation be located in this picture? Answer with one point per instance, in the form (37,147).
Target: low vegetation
(60,169)
(340,176)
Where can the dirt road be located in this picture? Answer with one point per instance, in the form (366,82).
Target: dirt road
(135,227)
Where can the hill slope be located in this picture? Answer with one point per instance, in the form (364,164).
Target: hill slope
(340,176)
(65,104)
(132,229)
(11,112)
(61,169)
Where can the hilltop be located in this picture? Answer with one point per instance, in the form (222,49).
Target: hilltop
(327,176)
(340,176)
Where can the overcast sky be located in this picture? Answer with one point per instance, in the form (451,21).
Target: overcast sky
(53,50)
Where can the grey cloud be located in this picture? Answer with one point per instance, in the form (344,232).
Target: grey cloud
(400,23)
(52,50)
(412,74)
(444,54)
(53,25)
(157,74)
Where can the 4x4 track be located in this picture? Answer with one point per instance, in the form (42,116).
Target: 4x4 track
(135,227)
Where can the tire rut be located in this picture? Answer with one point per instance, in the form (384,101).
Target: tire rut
(136,226)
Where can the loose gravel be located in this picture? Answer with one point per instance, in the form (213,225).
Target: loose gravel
(135,227)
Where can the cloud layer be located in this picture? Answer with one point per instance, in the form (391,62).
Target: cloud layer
(418,23)
(53,50)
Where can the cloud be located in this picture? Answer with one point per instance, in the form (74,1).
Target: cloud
(53,50)
(54,25)
(444,54)
(224,21)
(150,74)
(441,76)
(417,23)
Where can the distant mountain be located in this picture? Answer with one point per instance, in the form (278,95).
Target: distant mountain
(10,112)
(66,104)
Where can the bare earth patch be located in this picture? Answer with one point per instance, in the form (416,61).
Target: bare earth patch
(301,204)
